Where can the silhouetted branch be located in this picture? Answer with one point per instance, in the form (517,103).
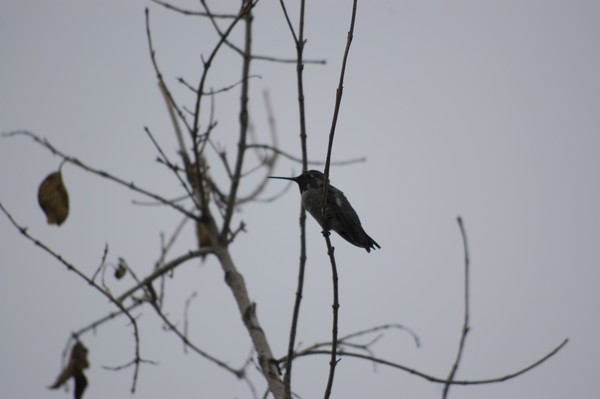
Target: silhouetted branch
(172,166)
(432,378)
(336,305)
(243,117)
(246,8)
(324,210)
(23,230)
(165,247)
(130,185)
(382,327)
(183,11)
(159,76)
(102,262)
(346,340)
(296,159)
(159,272)
(242,53)
(291,26)
(97,323)
(240,373)
(299,42)
(465,329)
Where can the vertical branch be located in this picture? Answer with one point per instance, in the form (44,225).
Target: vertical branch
(237,173)
(299,42)
(195,129)
(300,78)
(465,328)
(324,210)
(338,97)
(336,305)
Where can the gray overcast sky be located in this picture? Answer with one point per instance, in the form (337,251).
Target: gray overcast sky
(488,110)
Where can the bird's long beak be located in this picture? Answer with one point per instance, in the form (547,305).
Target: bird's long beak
(282,178)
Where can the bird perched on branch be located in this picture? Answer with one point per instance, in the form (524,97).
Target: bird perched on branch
(339,214)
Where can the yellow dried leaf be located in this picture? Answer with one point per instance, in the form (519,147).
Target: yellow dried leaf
(54,199)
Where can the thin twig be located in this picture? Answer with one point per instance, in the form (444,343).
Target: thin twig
(239,373)
(297,159)
(102,262)
(374,329)
(159,76)
(465,328)
(439,380)
(299,42)
(199,172)
(289,21)
(160,271)
(183,11)
(165,161)
(243,118)
(336,305)
(45,143)
(137,358)
(186,319)
(97,323)
(344,341)
(255,57)
(165,247)
(330,250)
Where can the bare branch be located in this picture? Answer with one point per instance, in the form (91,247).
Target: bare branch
(239,373)
(173,167)
(243,118)
(183,11)
(198,167)
(97,323)
(289,22)
(163,86)
(159,272)
(324,210)
(336,305)
(23,230)
(102,262)
(299,43)
(465,329)
(45,143)
(267,58)
(374,329)
(432,378)
(296,159)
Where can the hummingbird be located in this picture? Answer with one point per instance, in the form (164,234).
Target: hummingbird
(340,216)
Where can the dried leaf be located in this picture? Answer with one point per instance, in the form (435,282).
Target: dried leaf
(77,363)
(54,199)
(121,269)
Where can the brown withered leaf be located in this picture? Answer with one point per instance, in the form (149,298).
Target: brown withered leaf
(54,199)
(121,269)
(77,363)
